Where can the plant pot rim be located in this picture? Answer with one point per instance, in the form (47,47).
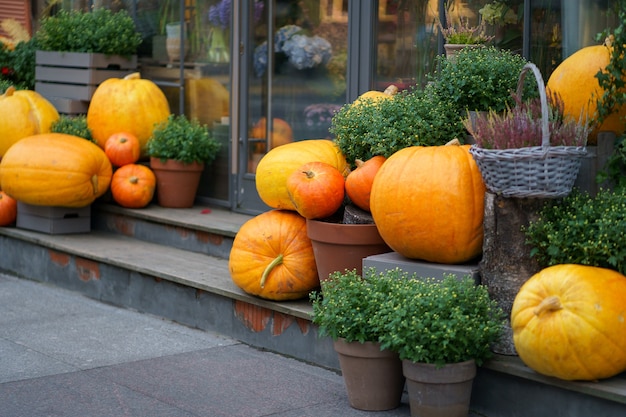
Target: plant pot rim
(354,234)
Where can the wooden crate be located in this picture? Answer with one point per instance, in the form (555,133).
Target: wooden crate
(53,220)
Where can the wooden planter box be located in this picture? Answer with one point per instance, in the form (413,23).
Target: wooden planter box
(53,220)
(69,79)
(594,162)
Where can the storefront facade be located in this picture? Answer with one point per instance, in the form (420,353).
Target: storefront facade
(242,63)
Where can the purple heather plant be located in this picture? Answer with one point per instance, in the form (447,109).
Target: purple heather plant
(520,126)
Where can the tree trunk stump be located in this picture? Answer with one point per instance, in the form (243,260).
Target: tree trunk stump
(506,263)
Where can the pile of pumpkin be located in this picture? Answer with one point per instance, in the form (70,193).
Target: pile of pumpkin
(38,167)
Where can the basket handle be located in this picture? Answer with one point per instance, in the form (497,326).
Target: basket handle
(545,131)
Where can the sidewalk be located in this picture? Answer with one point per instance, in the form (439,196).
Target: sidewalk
(64,355)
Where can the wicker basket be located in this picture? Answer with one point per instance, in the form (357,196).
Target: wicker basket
(534,172)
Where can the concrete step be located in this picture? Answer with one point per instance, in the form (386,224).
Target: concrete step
(173,264)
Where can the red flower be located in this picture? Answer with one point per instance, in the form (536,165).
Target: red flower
(7,71)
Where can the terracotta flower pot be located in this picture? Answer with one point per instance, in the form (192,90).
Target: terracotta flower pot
(439,392)
(339,246)
(177,182)
(373,378)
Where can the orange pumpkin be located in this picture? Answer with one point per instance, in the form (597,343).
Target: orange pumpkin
(428,202)
(272,257)
(132,186)
(574,80)
(569,322)
(281,133)
(316,190)
(122,148)
(8,209)
(279,163)
(24,113)
(130,104)
(359,181)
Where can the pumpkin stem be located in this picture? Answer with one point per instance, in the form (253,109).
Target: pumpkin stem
(392,90)
(269,268)
(359,163)
(552,303)
(9,91)
(309,174)
(133,76)
(133,180)
(454,142)
(94,183)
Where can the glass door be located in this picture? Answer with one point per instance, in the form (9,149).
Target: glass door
(292,78)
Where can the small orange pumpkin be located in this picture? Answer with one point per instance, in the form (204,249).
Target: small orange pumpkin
(122,148)
(359,181)
(132,186)
(272,257)
(428,202)
(316,190)
(8,209)
(569,322)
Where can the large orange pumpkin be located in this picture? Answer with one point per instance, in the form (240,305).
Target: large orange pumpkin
(24,113)
(8,209)
(359,182)
(55,169)
(130,104)
(279,163)
(316,190)
(428,202)
(569,322)
(132,186)
(574,80)
(272,257)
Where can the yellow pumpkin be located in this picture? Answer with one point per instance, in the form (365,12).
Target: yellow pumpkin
(569,322)
(24,113)
(130,104)
(428,203)
(574,80)
(279,163)
(55,169)
(375,96)
(272,257)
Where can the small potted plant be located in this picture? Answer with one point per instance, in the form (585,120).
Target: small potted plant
(441,329)
(344,310)
(91,42)
(180,145)
(461,36)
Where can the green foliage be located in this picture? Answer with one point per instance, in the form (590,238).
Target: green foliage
(581,229)
(410,118)
(346,306)
(73,125)
(183,140)
(480,79)
(18,65)
(439,321)
(99,31)
(614,170)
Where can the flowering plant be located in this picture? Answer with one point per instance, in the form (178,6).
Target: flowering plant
(498,13)
(464,33)
(301,50)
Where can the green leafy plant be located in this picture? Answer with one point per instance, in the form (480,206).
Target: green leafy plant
(347,304)
(410,118)
(73,125)
(99,31)
(439,321)
(480,79)
(581,229)
(521,126)
(183,140)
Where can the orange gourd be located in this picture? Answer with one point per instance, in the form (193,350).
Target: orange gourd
(55,169)
(133,185)
(279,163)
(24,113)
(281,133)
(569,322)
(359,181)
(316,190)
(122,148)
(574,80)
(428,202)
(272,257)
(130,104)
(8,209)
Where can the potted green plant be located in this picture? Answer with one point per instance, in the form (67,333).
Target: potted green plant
(344,310)
(179,147)
(442,329)
(96,45)
(461,36)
